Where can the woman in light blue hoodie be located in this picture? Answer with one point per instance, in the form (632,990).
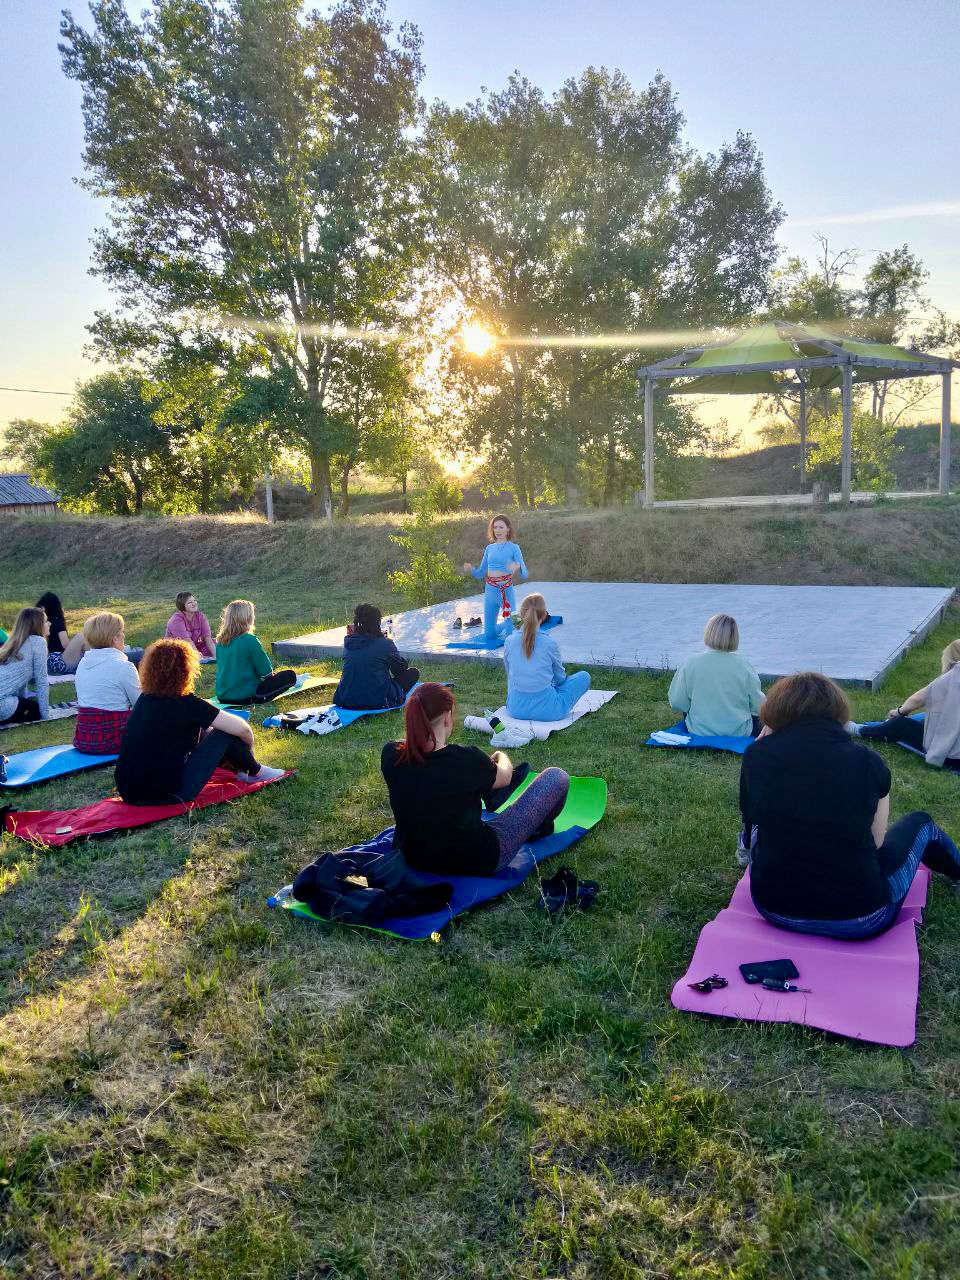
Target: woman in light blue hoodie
(538,688)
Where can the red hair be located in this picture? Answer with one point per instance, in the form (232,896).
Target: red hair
(169,668)
(427,703)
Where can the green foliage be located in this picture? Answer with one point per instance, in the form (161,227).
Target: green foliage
(430,575)
(444,495)
(874,447)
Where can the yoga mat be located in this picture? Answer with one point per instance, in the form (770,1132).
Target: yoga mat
(344,716)
(27,768)
(58,711)
(54,827)
(585,806)
(481,643)
(304,682)
(592,700)
(679,737)
(863,990)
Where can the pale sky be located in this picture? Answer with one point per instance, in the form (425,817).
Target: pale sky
(853,106)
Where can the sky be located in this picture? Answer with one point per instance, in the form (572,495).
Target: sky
(853,106)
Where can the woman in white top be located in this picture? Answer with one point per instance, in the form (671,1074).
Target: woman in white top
(718,691)
(24,658)
(107,686)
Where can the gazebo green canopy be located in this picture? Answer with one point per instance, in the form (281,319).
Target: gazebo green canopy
(759,361)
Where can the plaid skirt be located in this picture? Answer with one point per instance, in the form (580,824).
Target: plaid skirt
(98,732)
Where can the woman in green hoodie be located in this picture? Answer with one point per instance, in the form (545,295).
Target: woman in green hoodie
(244,671)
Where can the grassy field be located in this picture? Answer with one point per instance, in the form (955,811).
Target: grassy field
(192,1085)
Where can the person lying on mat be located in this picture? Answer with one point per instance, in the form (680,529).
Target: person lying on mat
(174,740)
(538,688)
(107,687)
(375,673)
(718,691)
(937,735)
(438,791)
(189,623)
(823,859)
(244,672)
(501,560)
(24,658)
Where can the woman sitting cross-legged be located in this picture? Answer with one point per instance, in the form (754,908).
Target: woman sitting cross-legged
(538,688)
(189,623)
(375,673)
(718,691)
(174,740)
(823,858)
(24,658)
(438,791)
(244,672)
(937,735)
(107,687)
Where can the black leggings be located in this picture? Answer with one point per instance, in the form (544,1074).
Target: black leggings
(28,710)
(268,688)
(216,748)
(901,729)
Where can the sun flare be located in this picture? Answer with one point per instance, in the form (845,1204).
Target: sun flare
(476,340)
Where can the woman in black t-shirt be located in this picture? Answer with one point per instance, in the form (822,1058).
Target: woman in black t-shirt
(438,791)
(823,859)
(174,740)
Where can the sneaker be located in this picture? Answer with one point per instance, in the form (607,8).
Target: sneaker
(474,622)
(458,624)
(853,728)
(264,774)
(4,760)
(510,738)
(479,723)
(743,852)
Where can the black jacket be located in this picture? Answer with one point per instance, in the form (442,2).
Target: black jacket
(370,664)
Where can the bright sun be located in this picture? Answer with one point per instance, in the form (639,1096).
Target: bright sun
(476,340)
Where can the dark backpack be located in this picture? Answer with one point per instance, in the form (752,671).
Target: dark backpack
(365,886)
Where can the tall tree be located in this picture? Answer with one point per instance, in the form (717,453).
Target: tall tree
(258,162)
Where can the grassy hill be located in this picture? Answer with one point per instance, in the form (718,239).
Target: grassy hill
(193,1087)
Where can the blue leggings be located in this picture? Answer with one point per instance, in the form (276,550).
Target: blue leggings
(493,628)
(913,839)
(554,703)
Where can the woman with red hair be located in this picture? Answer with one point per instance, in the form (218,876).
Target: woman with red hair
(438,791)
(174,740)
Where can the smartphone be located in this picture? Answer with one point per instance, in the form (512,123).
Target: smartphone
(782,970)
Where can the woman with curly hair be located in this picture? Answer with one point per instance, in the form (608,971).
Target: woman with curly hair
(174,740)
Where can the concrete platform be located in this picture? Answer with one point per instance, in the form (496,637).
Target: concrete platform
(854,634)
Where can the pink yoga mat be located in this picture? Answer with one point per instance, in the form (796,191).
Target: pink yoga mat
(865,990)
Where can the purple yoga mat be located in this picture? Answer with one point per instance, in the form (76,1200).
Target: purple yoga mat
(865,990)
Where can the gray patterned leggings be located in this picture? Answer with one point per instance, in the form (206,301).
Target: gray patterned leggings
(540,803)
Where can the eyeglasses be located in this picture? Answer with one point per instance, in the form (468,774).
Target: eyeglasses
(706,985)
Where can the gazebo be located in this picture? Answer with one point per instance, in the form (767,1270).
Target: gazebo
(817,359)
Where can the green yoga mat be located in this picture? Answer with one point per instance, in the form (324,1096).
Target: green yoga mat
(304,683)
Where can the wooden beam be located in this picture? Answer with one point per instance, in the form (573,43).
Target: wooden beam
(803,437)
(846,443)
(945,435)
(648,490)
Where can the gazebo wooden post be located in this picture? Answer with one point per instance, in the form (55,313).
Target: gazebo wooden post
(648,442)
(803,436)
(846,442)
(945,433)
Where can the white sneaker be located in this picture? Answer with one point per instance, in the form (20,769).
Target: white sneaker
(480,723)
(510,738)
(853,728)
(265,774)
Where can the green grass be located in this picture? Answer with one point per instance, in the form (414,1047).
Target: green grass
(194,1086)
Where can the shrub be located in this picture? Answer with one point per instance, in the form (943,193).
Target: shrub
(430,575)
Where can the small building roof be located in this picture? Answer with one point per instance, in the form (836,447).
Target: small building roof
(17,491)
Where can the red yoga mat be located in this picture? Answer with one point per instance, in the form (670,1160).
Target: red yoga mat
(54,827)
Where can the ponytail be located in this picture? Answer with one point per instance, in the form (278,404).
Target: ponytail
(533,611)
(427,703)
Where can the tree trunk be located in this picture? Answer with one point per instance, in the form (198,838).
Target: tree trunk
(403,491)
(205,486)
(516,432)
(610,474)
(321,485)
(345,488)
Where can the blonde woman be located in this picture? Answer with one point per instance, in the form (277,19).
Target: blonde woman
(718,692)
(937,735)
(244,671)
(538,688)
(107,687)
(24,658)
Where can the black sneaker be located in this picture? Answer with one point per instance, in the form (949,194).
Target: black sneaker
(458,624)
(565,890)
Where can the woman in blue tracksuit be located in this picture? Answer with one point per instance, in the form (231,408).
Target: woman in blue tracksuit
(538,688)
(501,560)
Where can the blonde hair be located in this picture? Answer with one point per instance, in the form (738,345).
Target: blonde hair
(29,623)
(950,656)
(722,632)
(236,620)
(103,629)
(533,611)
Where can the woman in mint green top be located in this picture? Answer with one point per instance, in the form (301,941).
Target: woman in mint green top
(718,692)
(244,671)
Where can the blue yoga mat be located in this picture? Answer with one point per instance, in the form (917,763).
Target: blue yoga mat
(737,745)
(27,768)
(585,807)
(481,643)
